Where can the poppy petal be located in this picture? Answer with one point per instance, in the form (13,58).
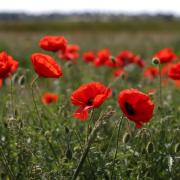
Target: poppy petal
(81,114)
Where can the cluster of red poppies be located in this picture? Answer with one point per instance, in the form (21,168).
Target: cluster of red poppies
(92,95)
(136,105)
(104,58)
(169,67)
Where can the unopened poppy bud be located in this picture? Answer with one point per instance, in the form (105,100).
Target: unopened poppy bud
(177,148)
(69,153)
(21,80)
(150,147)
(126,137)
(155,61)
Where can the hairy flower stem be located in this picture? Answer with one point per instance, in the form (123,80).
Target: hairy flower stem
(89,162)
(114,81)
(89,124)
(99,123)
(117,145)
(40,120)
(34,101)
(160,86)
(11,92)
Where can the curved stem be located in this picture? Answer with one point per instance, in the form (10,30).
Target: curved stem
(34,101)
(40,121)
(117,144)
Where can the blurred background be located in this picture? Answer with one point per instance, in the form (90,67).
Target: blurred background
(141,26)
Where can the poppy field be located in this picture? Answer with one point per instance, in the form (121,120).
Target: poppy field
(89,105)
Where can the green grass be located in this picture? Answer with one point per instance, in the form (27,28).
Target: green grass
(60,26)
(52,150)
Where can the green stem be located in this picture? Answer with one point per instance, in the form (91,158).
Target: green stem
(117,144)
(11,92)
(79,140)
(53,151)
(92,136)
(89,124)
(6,164)
(114,81)
(160,87)
(40,120)
(34,101)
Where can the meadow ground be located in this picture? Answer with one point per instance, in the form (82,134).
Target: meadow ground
(47,142)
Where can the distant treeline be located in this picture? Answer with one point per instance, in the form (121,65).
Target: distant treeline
(84,17)
(88,22)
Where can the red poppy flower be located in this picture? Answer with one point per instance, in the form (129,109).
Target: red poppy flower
(89,96)
(111,62)
(4,65)
(165,55)
(71,53)
(13,63)
(119,72)
(177,83)
(151,72)
(45,66)
(124,58)
(89,56)
(7,65)
(1,83)
(174,72)
(48,98)
(53,43)
(102,56)
(139,61)
(136,106)
(165,69)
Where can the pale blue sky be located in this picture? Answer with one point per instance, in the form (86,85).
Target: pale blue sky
(132,6)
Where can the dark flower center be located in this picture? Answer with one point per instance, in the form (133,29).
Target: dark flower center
(90,102)
(129,109)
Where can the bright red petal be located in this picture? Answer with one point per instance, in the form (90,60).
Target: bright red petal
(81,114)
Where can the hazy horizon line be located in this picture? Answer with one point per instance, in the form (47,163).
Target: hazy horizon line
(91,12)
